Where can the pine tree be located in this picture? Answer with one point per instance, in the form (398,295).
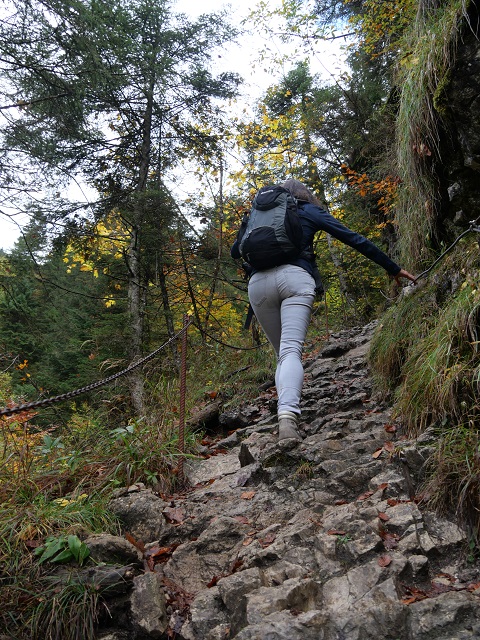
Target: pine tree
(118,93)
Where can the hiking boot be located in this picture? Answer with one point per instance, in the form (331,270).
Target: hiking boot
(287,426)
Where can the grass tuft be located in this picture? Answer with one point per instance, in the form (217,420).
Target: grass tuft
(423,76)
(426,354)
(69,611)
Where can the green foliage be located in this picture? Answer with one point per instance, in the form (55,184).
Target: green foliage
(426,351)
(428,50)
(119,106)
(141,452)
(453,485)
(440,373)
(55,326)
(32,514)
(344,539)
(62,549)
(400,329)
(379,24)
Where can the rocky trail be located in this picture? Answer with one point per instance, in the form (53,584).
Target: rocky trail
(325,539)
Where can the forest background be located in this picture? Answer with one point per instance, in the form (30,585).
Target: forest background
(124,98)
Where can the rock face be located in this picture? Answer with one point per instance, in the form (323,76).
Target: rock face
(461,138)
(322,539)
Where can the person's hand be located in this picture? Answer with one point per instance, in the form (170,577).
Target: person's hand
(404,274)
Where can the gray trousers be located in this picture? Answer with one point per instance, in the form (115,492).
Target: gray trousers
(282,299)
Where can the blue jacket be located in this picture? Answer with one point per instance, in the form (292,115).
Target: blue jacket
(315,219)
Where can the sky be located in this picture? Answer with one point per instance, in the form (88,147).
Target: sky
(327,60)
(242,58)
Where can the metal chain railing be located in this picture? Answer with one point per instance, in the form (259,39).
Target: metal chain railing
(8,411)
(473,227)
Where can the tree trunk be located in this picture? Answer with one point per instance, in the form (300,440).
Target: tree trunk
(136,312)
(137,288)
(216,270)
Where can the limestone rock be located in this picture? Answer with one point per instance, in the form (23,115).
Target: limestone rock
(295,594)
(207,612)
(233,591)
(364,603)
(140,514)
(112,549)
(148,606)
(449,616)
(287,625)
(195,564)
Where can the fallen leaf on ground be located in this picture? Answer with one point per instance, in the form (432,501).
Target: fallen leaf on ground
(366,495)
(158,555)
(33,544)
(336,532)
(383,516)
(236,565)
(267,540)
(390,428)
(384,561)
(213,581)
(247,495)
(448,576)
(242,519)
(376,454)
(174,515)
(390,541)
(136,543)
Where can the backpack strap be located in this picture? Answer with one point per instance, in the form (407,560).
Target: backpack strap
(249,318)
(309,254)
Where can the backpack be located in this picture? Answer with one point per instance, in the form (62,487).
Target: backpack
(271,234)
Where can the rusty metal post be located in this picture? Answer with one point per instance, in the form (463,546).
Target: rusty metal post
(183,388)
(326,317)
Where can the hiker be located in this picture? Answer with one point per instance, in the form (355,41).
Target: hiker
(282,297)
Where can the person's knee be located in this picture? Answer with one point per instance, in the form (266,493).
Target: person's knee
(291,351)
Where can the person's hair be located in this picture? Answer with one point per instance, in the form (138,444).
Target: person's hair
(301,192)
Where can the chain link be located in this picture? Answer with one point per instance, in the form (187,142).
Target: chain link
(8,411)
